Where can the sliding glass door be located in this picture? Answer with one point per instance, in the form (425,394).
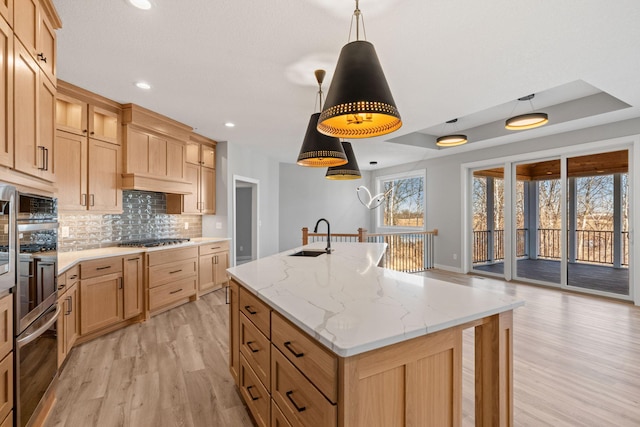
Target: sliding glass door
(488,220)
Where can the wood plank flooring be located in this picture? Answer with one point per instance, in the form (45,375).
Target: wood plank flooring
(576,363)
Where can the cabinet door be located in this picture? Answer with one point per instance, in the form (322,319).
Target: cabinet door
(137,151)
(6,93)
(221,263)
(46,114)
(71,115)
(104,174)
(192,153)
(71,320)
(133,297)
(208,156)
(46,53)
(191,202)
(6,325)
(6,386)
(25,111)
(100,302)
(6,10)
(62,350)
(25,23)
(206,272)
(157,156)
(175,159)
(104,124)
(208,191)
(234,330)
(70,162)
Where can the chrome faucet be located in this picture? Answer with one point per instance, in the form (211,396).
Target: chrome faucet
(315,230)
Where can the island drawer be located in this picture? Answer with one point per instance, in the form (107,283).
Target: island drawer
(254,393)
(301,403)
(100,267)
(313,360)
(212,248)
(256,349)
(169,272)
(171,292)
(256,311)
(171,255)
(277,417)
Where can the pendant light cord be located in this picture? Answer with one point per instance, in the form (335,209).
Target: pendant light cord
(357,14)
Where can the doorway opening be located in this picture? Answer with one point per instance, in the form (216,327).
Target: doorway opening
(246,219)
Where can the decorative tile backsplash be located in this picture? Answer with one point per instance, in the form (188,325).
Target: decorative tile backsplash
(144,217)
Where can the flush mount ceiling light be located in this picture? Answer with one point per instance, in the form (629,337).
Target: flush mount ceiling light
(451,140)
(230,125)
(349,170)
(526,121)
(143,85)
(359,102)
(141,4)
(320,150)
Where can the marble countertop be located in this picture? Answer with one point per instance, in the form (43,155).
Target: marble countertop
(351,305)
(66,260)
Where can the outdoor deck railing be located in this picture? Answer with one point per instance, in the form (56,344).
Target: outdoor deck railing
(406,251)
(592,246)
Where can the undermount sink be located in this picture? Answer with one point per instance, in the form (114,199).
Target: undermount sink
(308,253)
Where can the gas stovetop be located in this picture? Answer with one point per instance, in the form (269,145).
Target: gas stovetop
(150,243)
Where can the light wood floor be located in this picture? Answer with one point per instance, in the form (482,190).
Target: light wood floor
(576,363)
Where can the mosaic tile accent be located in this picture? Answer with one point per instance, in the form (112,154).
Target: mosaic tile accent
(144,217)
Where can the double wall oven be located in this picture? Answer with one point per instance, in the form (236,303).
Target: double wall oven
(35,301)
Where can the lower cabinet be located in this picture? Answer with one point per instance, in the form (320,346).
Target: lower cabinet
(133,288)
(213,264)
(68,321)
(172,276)
(6,360)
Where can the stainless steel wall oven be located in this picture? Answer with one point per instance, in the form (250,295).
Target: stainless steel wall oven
(35,299)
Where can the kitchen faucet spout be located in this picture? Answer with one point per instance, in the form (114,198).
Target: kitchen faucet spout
(315,230)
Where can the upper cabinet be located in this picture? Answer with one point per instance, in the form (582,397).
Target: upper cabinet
(88,154)
(6,11)
(6,91)
(200,171)
(34,24)
(154,152)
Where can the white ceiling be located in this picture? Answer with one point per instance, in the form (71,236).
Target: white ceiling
(252,63)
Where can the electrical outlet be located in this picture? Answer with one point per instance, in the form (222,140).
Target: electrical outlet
(218,226)
(455,256)
(64,231)
(6,229)
(186,225)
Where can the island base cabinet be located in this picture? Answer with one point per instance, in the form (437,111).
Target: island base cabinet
(417,382)
(255,394)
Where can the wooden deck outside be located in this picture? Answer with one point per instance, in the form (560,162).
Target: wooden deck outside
(588,276)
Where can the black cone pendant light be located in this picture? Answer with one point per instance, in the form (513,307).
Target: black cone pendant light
(359,102)
(320,150)
(348,171)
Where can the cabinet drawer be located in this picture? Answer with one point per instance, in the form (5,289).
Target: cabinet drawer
(277,417)
(161,274)
(100,267)
(315,362)
(300,402)
(171,255)
(256,349)
(171,292)
(73,274)
(211,248)
(254,393)
(256,311)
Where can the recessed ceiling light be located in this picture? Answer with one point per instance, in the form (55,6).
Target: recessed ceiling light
(143,85)
(230,125)
(141,4)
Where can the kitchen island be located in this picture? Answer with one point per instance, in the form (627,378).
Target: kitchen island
(336,340)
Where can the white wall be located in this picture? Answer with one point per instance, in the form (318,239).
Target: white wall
(306,196)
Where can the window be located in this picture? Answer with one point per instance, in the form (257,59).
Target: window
(404,205)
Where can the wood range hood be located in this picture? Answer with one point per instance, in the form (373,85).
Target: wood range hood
(154,152)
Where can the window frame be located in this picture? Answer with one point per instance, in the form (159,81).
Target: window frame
(420,173)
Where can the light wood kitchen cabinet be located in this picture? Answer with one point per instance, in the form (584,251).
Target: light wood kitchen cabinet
(6,11)
(133,286)
(34,25)
(254,393)
(34,117)
(6,90)
(68,319)
(234,330)
(172,277)
(6,359)
(213,264)
(101,302)
(88,155)
(200,171)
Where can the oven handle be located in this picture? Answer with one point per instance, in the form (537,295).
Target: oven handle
(38,226)
(41,330)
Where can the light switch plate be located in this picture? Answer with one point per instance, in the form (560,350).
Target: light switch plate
(186,225)
(218,226)
(64,231)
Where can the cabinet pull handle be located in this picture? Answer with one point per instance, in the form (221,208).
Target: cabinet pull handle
(92,133)
(250,310)
(41,148)
(176,271)
(83,199)
(251,394)
(42,58)
(92,197)
(60,287)
(46,159)
(133,259)
(298,408)
(84,131)
(75,276)
(103,268)
(120,285)
(290,348)
(69,310)
(215,259)
(175,292)
(253,350)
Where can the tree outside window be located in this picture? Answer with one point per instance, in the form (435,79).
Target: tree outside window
(404,206)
